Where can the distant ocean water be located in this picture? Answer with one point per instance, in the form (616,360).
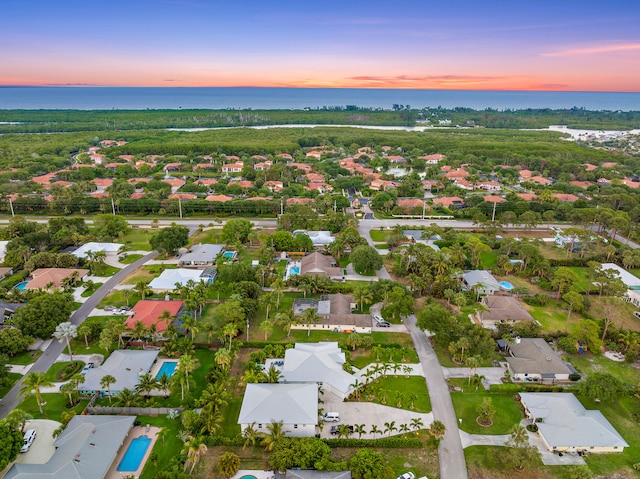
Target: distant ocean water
(140,98)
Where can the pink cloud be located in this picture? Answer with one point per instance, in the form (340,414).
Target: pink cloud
(593,50)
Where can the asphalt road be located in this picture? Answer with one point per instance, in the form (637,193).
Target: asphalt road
(450,451)
(44,362)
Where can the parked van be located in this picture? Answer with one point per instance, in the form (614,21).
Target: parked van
(29,437)
(331,417)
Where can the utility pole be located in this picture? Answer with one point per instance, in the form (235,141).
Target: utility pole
(281,206)
(493,216)
(180,206)
(424,207)
(113,207)
(11,206)
(335,206)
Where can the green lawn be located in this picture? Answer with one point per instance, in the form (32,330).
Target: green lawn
(362,358)
(26,357)
(507,412)
(590,363)
(56,368)
(400,392)
(105,270)
(138,239)
(484,458)
(553,316)
(379,236)
(210,236)
(89,291)
(583,284)
(231,412)
(131,258)
(166,450)
(488,259)
(147,273)
(444,357)
(12,378)
(56,404)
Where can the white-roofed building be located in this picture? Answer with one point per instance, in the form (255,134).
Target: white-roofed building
(3,250)
(170,277)
(318,238)
(480,281)
(108,248)
(296,405)
(566,426)
(320,363)
(631,281)
(201,256)
(126,365)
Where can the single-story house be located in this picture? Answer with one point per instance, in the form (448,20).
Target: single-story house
(54,278)
(7,310)
(201,255)
(85,449)
(126,365)
(418,236)
(318,238)
(321,265)
(314,474)
(108,248)
(480,281)
(532,359)
(296,405)
(4,272)
(319,363)
(149,311)
(502,309)
(335,311)
(172,279)
(566,426)
(631,281)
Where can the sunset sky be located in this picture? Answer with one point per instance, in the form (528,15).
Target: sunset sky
(485,45)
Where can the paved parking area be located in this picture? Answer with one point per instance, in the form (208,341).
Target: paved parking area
(42,448)
(369,414)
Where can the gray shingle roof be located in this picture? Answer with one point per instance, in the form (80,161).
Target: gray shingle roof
(125,365)
(534,356)
(289,403)
(84,450)
(317,362)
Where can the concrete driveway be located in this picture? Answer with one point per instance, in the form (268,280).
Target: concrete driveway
(368,413)
(42,448)
(491,375)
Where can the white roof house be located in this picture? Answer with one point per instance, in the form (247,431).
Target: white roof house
(481,280)
(126,365)
(565,425)
(84,450)
(630,280)
(201,255)
(169,277)
(108,248)
(318,238)
(319,363)
(296,405)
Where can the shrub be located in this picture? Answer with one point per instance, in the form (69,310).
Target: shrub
(384,442)
(537,300)
(574,377)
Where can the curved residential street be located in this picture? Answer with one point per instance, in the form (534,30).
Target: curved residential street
(44,362)
(450,452)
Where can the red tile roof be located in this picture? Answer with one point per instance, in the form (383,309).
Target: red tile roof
(494,199)
(149,312)
(219,198)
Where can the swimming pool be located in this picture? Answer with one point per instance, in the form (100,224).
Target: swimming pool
(135,452)
(21,286)
(248,477)
(506,285)
(167,369)
(294,270)
(229,254)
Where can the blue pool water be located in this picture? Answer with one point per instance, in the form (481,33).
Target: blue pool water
(506,285)
(248,477)
(21,286)
(229,254)
(167,368)
(294,270)
(135,452)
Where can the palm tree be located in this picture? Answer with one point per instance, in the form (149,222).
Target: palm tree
(194,447)
(437,429)
(223,358)
(390,427)
(165,318)
(190,324)
(146,384)
(275,433)
(416,424)
(142,288)
(164,384)
(278,287)
(106,382)
(209,328)
(267,300)
(127,398)
(404,429)
(472,362)
(186,364)
(375,430)
(126,294)
(250,435)
(309,317)
(162,434)
(230,330)
(67,388)
(85,330)
(32,383)
(286,320)
(267,327)
(65,332)
(362,295)
(77,379)
(273,375)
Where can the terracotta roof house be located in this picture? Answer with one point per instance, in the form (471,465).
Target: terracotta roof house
(135,181)
(313,154)
(630,183)
(44,179)
(527,196)
(321,265)
(149,312)
(449,201)
(97,158)
(258,198)
(219,198)
(299,201)
(493,199)
(609,164)
(539,180)
(127,157)
(182,196)
(589,166)
(502,309)
(581,184)
(566,198)
(233,158)
(532,359)
(315,178)
(172,167)
(383,185)
(445,168)
(102,182)
(204,166)
(263,166)
(397,159)
(489,185)
(300,166)
(410,203)
(245,184)
(206,182)
(525,173)
(286,156)
(566,426)
(458,173)
(335,311)
(274,185)
(259,157)
(175,183)
(42,277)
(137,196)
(464,184)
(321,187)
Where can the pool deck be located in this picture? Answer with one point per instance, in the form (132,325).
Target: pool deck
(258,474)
(135,432)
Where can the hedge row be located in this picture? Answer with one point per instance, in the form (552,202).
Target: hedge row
(601,258)
(383,442)
(526,387)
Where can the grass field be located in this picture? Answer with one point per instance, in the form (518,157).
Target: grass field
(12,378)
(401,392)
(379,236)
(56,368)
(130,258)
(55,405)
(165,450)
(488,259)
(26,357)
(138,239)
(507,412)
(589,363)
